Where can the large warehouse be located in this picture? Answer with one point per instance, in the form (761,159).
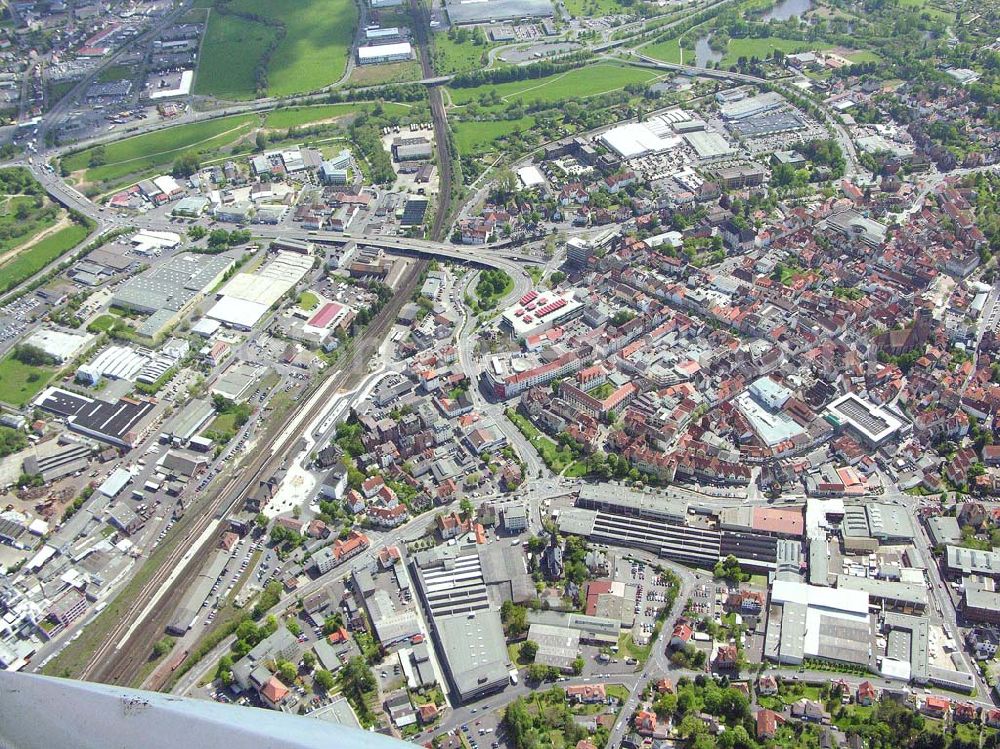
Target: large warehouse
(173,284)
(808,621)
(248,296)
(635,139)
(466,626)
(491,11)
(120,423)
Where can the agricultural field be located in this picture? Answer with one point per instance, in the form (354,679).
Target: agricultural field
(143,153)
(229,54)
(474,137)
(307,42)
(580,83)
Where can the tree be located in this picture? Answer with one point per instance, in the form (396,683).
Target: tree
(729,569)
(162,647)
(621,317)
(287,672)
(224,671)
(357,678)
(578,665)
(11,440)
(33,356)
(185,165)
(308,660)
(324,680)
(514,618)
(333,623)
(294,627)
(218,238)
(466,507)
(529,650)
(537,673)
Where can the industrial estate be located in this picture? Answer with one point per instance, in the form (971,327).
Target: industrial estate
(509,374)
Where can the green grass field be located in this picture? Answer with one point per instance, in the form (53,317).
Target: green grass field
(19,383)
(452,57)
(229,54)
(380,75)
(142,153)
(668,51)
(761,48)
(478,137)
(592,80)
(863,56)
(27,263)
(308,300)
(283,119)
(311,54)
(594,8)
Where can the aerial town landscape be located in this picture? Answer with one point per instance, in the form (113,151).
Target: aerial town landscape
(504,374)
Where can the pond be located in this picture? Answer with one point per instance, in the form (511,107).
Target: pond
(704,55)
(786,9)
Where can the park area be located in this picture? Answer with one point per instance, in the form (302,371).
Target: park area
(556,457)
(256,48)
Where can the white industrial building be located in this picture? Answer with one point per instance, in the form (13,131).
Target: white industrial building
(383,53)
(635,139)
(247,296)
(809,621)
(148,242)
(58,344)
(708,145)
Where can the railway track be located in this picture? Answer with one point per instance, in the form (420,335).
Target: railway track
(439,118)
(117,662)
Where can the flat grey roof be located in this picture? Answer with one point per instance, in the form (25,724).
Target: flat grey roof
(666,504)
(890,521)
(944,529)
(918,627)
(885,589)
(973,561)
(172,283)
(483,11)
(793,632)
(474,649)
